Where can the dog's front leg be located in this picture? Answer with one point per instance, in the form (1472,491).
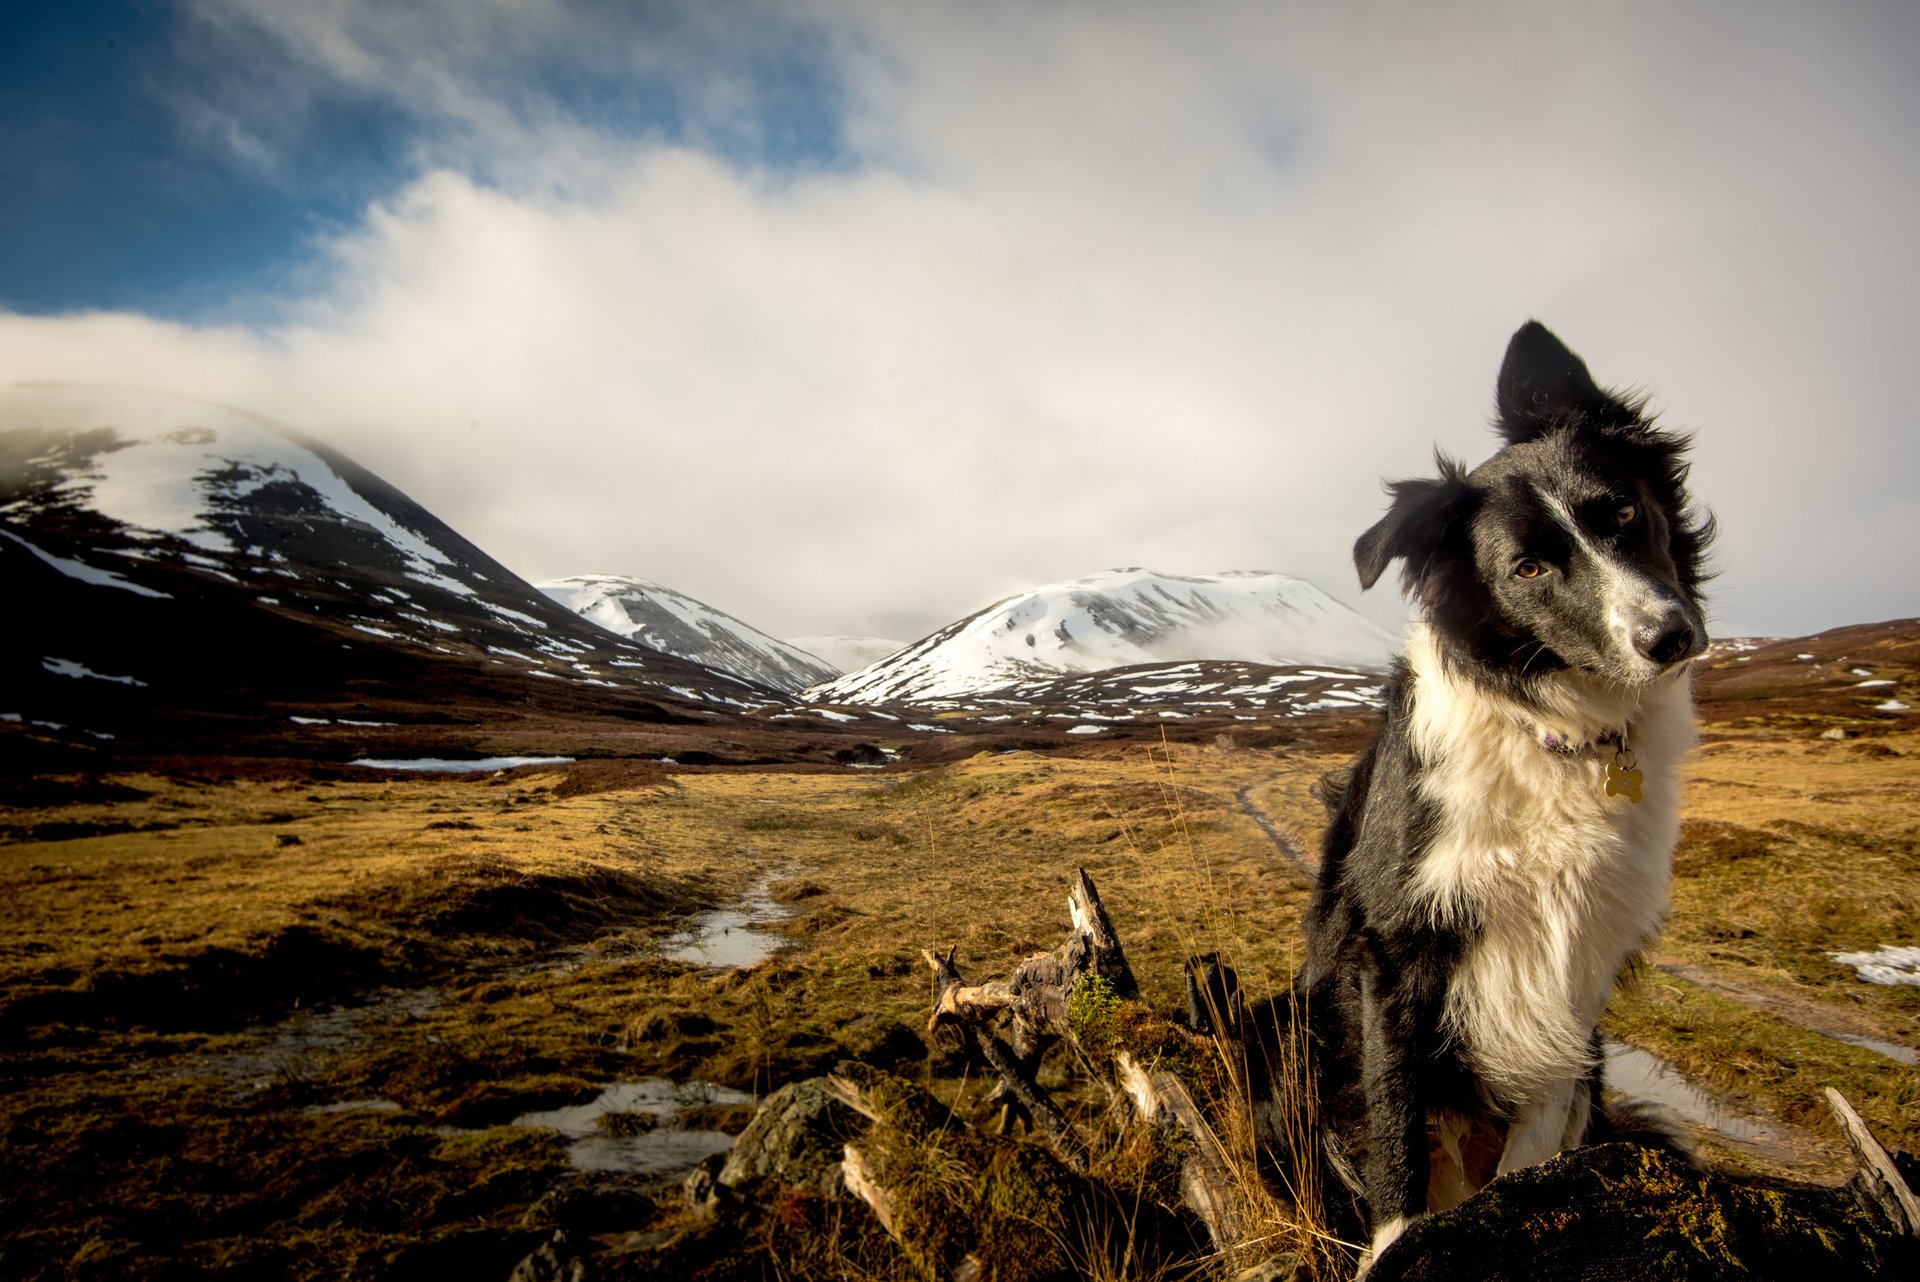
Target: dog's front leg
(1542,1127)
(1397,1169)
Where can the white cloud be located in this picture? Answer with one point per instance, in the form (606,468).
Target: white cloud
(1155,285)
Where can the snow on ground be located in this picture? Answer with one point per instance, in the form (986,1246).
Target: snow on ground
(68,668)
(1893,965)
(82,571)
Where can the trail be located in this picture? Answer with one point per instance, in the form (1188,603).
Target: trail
(1801,1014)
(1280,840)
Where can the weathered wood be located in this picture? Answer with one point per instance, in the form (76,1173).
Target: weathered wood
(1206,1177)
(1879,1176)
(858,1177)
(1016,1078)
(1090,920)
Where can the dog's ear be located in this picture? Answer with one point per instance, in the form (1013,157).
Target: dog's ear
(1416,525)
(1544,386)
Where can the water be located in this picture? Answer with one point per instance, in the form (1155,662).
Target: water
(724,938)
(302,1045)
(1636,1074)
(1901,1054)
(661,1149)
(450,765)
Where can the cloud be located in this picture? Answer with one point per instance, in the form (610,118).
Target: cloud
(1075,287)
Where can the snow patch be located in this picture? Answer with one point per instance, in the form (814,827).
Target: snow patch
(68,668)
(82,571)
(1894,965)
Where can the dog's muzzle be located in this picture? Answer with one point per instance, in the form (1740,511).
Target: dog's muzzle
(1667,632)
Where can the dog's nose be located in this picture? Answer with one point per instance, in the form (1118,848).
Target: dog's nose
(1667,640)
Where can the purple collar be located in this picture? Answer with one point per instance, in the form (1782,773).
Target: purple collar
(1612,738)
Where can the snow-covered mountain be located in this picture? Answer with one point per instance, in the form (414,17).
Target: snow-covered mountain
(1116,619)
(172,553)
(676,623)
(847,654)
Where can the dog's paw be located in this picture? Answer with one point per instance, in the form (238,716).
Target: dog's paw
(1383,1238)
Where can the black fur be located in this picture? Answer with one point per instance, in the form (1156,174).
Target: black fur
(1377,966)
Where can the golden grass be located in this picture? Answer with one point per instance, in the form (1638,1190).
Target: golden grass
(1795,846)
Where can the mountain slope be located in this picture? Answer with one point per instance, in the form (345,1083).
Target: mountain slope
(677,624)
(1116,619)
(846,654)
(167,554)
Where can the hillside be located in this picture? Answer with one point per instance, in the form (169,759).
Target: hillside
(675,623)
(1117,619)
(187,573)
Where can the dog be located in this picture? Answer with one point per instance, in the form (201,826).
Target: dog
(1502,851)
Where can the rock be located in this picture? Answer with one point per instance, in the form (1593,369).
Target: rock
(555,1260)
(794,1141)
(702,1185)
(1623,1213)
(1835,733)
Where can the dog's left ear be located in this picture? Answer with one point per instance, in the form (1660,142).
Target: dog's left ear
(1415,526)
(1544,386)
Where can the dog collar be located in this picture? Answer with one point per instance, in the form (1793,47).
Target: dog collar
(1567,748)
(1623,777)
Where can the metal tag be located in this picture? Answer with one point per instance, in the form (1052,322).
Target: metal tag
(1622,779)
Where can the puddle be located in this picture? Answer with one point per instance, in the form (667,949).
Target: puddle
(724,938)
(300,1046)
(452,766)
(658,1149)
(1900,1054)
(1634,1073)
(375,1104)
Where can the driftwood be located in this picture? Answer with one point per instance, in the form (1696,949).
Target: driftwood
(1880,1180)
(1206,1178)
(1035,1003)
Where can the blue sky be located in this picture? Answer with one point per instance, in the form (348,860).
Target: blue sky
(851,317)
(128,188)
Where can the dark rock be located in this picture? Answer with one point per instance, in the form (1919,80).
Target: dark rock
(861,754)
(465,1253)
(702,1185)
(1623,1213)
(555,1260)
(795,1141)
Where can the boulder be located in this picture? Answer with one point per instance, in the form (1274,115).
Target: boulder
(794,1141)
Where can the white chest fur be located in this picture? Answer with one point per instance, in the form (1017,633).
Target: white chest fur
(1561,882)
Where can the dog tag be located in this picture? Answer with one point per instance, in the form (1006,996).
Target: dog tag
(1622,779)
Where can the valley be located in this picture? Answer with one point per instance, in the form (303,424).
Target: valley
(304,1020)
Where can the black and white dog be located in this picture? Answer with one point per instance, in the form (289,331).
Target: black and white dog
(1503,849)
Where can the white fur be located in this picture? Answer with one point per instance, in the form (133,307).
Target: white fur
(1383,1237)
(1563,882)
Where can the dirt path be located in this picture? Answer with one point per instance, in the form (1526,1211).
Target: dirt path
(1281,841)
(1802,1014)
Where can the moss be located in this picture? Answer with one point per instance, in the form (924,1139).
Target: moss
(1091,1010)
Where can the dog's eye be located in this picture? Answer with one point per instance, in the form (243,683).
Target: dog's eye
(1528,568)
(1624,514)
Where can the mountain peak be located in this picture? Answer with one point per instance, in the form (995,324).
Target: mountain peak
(660,617)
(1120,617)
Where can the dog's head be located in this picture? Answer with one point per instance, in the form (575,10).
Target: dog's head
(1575,546)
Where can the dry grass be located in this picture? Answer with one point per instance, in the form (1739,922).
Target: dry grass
(531,909)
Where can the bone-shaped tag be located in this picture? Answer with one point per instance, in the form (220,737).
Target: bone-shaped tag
(1622,779)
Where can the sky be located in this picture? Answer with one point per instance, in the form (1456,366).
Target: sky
(853,317)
